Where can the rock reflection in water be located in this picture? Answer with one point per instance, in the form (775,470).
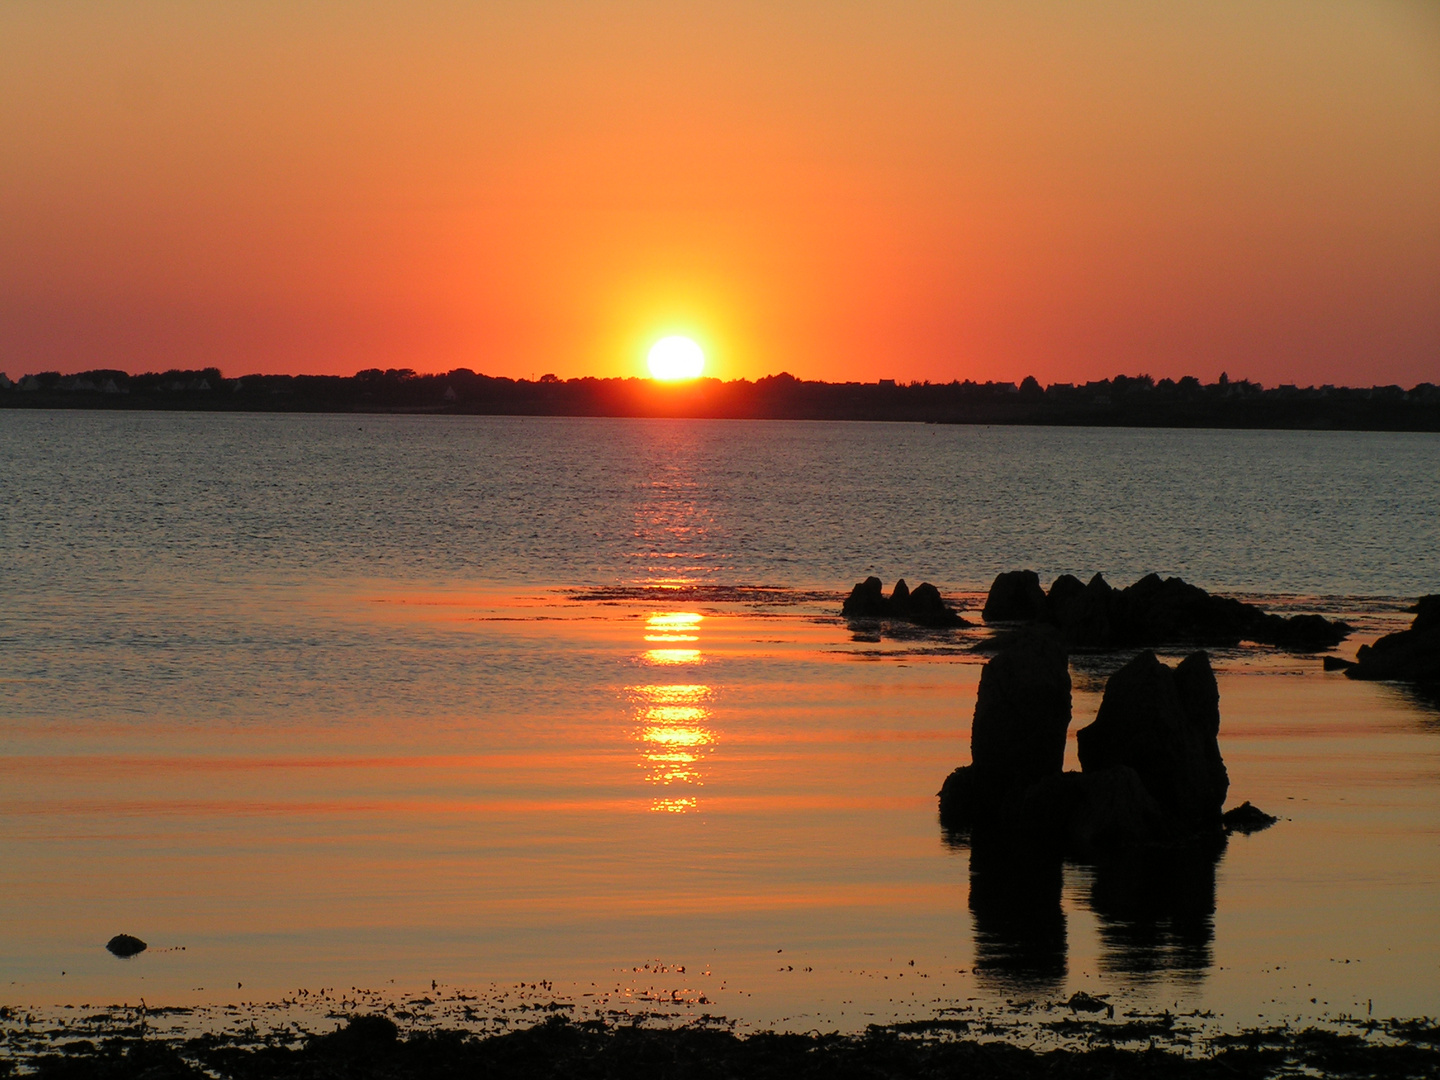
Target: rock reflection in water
(1019,923)
(1156,910)
(1424,697)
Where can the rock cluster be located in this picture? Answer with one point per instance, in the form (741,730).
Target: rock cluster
(1153,611)
(1412,655)
(923,605)
(1151,769)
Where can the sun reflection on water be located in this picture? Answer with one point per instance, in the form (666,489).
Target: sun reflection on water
(673,656)
(677,626)
(673,806)
(673,729)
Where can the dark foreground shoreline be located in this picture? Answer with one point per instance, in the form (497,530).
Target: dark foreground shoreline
(371,1046)
(1123,401)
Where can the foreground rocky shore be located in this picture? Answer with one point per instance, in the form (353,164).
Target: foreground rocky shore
(372,1046)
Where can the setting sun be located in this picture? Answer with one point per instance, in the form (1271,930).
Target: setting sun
(676,358)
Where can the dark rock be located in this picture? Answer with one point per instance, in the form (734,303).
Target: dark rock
(1064,590)
(1017,737)
(1411,655)
(1022,712)
(125,945)
(1015,596)
(925,606)
(959,798)
(1156,611)
(1084,616)
(866,600)
(899,598)
(1164,724)
(1094,811)
(363,1036)
(1305,633)
(1246,818)
(928,608)
(1336,663)
(1152,773)
(1427,614)
(1080,1001)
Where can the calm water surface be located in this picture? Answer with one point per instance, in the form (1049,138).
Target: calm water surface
(335,701)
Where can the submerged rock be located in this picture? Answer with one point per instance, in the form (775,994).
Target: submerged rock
(1164,723)
(125,945)
(924,606)
(1014,596)
(1411,655)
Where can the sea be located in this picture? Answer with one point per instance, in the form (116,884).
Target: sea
(488,719)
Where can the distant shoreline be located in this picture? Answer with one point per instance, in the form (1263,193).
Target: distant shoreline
(1123,401)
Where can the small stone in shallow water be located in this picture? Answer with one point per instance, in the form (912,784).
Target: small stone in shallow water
(1080,1001)
(124,945)
(1246,818)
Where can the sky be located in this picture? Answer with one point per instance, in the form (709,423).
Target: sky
(841,190)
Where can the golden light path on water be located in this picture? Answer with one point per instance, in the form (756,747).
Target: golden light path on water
(672,718)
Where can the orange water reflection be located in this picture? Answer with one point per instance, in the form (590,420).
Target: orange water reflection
(674,626)
(673,729)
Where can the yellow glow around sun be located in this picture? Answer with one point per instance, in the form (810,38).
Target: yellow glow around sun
(676,357)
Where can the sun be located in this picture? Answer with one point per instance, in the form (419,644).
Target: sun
(676,357)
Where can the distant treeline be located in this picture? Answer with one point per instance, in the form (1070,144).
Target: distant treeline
(1124,401)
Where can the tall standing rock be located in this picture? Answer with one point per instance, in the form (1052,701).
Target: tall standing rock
(1017,738)
(1164,723)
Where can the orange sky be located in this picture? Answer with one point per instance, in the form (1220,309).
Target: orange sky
(841,190)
